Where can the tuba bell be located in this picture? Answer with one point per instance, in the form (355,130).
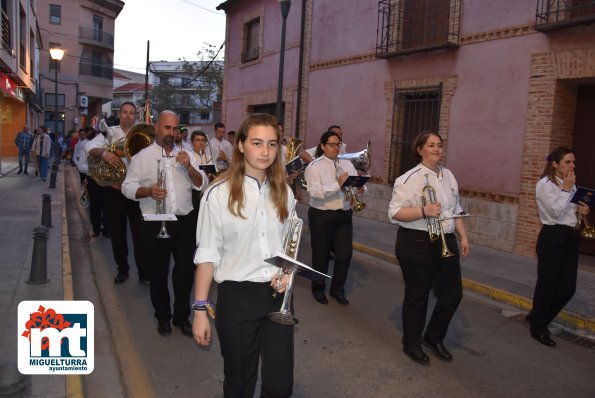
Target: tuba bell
(140,136)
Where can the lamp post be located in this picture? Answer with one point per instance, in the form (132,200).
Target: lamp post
(285,6)
(56,54)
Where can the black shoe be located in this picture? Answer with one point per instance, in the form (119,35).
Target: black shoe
(418,355)
(320,297)
(544,338)
(25,173)
(164,328)
(185,326)
(120,278)
(20,171)
(438,349)
(340,298)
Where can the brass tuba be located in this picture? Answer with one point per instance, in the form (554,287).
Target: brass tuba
(293,145)
(140,136)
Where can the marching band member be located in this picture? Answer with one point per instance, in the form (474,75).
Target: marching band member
(329,216)
(557,244)
(181,177)
(310,154)
(242,220)
(199,143)
(118,208)
(420,258)
(221,147)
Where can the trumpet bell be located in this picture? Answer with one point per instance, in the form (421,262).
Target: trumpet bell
(283,318)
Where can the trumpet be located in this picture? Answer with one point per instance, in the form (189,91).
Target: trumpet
(350,194)
(291,244)
(160,204)
(588,231)
(435,230)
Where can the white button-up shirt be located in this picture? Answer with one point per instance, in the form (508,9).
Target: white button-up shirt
(238,246)
(222,145)
(80,156)
(407,192)
(142,172)
(323,186)
(554,204)
(114,134)
(204,157)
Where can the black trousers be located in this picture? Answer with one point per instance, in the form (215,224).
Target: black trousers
(181,244)
(557,266)
(245,334)
(423,270)
(331,230)
(118,210)
(96,206)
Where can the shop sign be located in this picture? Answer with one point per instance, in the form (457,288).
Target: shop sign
(10,88)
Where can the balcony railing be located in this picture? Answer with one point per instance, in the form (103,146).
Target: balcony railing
(410,26)
(22,57)
(5,31)
(96,37)
(250,54)
(90,68)
(559,14)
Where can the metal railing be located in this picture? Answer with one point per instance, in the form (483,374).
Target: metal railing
(5,31)
(409,26)
(90,68)
(558,14)
(97,36)
(250,54)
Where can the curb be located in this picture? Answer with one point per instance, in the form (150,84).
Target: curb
(74,383)
(566,317)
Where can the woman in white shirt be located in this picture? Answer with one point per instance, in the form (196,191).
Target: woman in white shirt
(420,258)
(329,216)
(557,244)
(241,222)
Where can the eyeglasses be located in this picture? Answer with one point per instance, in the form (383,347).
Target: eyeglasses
(334,144)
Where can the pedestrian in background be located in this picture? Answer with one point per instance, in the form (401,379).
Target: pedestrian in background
(421,259)
(96,194)
(557,244)
(24,142)
(248,203)
(42,145)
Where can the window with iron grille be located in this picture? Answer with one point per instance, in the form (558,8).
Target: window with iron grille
(6,38)
(408,26)
(251,40)
(55,14)
(415,110)
(557,14)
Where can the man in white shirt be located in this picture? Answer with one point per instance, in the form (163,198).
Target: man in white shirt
(181,139)
(118,209)
(80,156)
(221,147)
(182,175)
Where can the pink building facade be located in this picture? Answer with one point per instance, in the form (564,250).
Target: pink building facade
(502,83)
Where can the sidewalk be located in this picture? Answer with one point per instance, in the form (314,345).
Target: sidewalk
(499,275)
(20,213)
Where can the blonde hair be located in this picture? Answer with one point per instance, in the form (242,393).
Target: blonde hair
(275,173)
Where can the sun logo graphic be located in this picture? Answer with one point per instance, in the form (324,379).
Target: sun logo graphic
(56,337)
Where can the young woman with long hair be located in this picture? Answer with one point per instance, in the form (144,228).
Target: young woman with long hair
(242,219)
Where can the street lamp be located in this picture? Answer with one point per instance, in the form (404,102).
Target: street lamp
(56,54)
(285,6)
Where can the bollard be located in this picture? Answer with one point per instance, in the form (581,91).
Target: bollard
(46,210)
(39,269)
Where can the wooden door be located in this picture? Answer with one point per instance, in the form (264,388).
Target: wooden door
(584,149)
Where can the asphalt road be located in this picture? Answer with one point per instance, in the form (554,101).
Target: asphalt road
(352,351)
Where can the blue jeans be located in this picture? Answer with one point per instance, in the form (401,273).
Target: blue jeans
(24,153)
(43,166)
